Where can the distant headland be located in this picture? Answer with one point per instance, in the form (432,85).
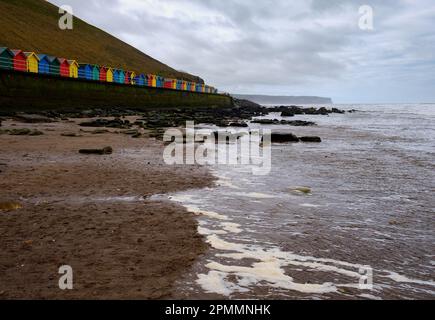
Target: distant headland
(265,99)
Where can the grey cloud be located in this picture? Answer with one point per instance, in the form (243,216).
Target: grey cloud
(289,46)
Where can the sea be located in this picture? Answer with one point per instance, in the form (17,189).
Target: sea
(352,217)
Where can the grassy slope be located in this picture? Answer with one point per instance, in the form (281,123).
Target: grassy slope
(32,25)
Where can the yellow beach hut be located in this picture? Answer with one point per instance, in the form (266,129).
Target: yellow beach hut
(154,81)
(109,75)
(32,62)
(73,69)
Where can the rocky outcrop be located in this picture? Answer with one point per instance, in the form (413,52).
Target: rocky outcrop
(103,151)
(283,137)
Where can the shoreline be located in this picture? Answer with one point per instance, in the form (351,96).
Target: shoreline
(74,213)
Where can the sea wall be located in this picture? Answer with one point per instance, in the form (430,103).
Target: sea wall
(28,92)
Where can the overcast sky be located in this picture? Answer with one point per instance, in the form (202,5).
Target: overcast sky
(284,47)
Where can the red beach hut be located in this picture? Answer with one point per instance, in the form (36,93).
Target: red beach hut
(64,67)
(20,60)
(103,74)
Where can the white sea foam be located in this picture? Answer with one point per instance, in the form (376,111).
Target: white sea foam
(256,195)
(309,205)
(231,227)
(401,278)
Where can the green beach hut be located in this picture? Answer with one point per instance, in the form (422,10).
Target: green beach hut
(6,58)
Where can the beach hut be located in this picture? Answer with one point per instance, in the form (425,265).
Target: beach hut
(154,81)
(109,75)
(43,64)
(20,60)
(64,67)
(103,74)
(149,80)
(193,86)
(160,81)
(184,85)
(6,58)
(119,76)
(116,75)
(130,77)
(167,84)
(54,64)
(133,77)
(140,80)
(178,84)
(174,84)
(73,69)
(32,62)
(85,71)
(95,72)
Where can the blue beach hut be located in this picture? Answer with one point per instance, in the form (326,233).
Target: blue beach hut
(160,82)
(179,84)
(44,64)
(140,80)
(85,71)
(119,76)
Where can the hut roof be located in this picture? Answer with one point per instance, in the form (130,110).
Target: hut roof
(63,60)
(3,49)
(30,54)
(71,62)
(18,52)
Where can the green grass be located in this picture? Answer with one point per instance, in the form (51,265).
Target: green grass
(32,25)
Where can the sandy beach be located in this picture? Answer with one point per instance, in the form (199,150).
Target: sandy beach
(92,212)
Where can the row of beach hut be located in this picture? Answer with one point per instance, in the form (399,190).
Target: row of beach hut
(45,64)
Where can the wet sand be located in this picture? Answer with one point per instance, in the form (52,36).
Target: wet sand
(93,213)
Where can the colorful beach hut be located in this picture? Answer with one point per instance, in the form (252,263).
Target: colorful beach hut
(32,62)
(20,60)
(109,74)
(43,64)
(73,69)
(119,76)
(54,64)
(129,77)
(149,80)
(64,67)
(178,84)
(103,74)
(95,72)
(6,58)
(161,81)
(140,80)
(174,84)
(167,84)
(85,71)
